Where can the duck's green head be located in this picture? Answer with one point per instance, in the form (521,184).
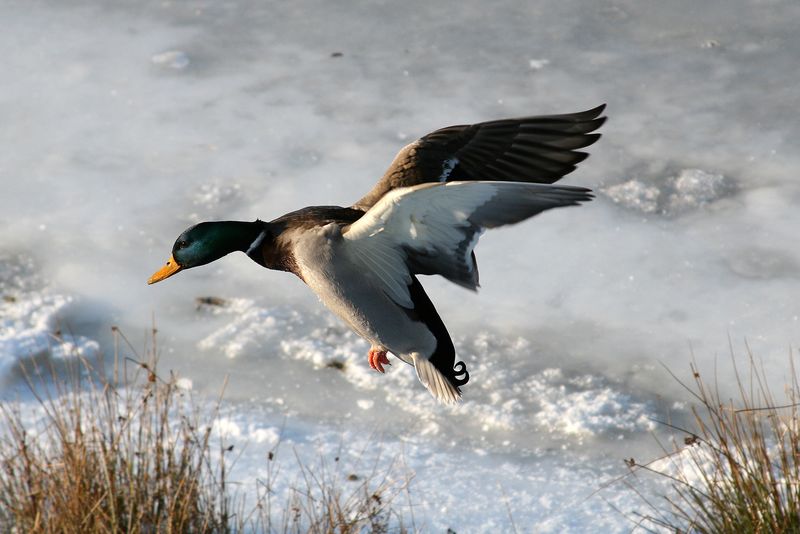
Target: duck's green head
(204,243)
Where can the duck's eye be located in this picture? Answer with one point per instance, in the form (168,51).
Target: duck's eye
(182,244)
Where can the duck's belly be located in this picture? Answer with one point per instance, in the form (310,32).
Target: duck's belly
(355,295)
(374,316)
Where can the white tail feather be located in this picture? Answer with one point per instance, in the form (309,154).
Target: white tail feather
(438,384)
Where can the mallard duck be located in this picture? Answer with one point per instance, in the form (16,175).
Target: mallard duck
(424,216)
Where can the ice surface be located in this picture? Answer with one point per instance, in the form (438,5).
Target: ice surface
(30,319)
(125,123)
(504,398)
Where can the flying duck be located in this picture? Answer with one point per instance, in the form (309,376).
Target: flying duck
(424,216)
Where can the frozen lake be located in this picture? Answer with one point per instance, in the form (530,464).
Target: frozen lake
(123,124)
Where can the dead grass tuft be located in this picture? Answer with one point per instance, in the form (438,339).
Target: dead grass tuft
(100,454)
(126,451)
(738,469)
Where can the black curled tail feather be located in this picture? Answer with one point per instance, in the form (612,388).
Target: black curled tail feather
(444,357)
(459,370)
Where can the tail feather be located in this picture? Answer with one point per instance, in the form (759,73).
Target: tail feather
(444,355)
(433,379)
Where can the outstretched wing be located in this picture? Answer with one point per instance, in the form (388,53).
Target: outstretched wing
(530,149)
(433,228)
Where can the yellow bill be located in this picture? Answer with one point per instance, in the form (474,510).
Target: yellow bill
(166,271)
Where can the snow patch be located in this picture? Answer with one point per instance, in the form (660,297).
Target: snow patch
(503,394)
(250,329)
(585,406)
(184,383)
(635,195)
(365,404)
(212,196)
(538,64)
(30,324)
(171,59)
(689,190)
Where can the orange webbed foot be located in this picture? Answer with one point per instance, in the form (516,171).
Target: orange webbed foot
(377,359)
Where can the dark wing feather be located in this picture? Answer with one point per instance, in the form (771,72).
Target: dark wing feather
(538,149)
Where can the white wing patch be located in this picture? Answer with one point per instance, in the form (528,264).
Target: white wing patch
(428,219)
(447,167)
(432,228)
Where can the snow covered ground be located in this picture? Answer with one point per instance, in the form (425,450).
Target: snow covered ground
(124,123)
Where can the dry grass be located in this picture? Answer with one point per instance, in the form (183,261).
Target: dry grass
(120,454)
(738,470)
(126,451)
(327,498)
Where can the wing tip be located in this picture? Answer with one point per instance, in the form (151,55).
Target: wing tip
(596,111)
(584,194)
(598,118)
(572,195)
(589,114)
(578,129)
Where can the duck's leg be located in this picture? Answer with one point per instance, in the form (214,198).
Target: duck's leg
(377,359)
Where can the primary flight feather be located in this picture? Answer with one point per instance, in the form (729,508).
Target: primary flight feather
(424,216)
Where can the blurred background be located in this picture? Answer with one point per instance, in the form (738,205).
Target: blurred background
(123,123)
